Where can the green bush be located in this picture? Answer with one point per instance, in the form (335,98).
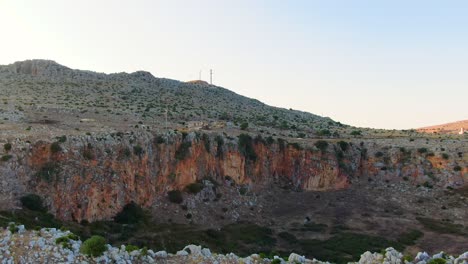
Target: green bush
(183,151)
(137,150)
(295,145)
(219,143)
(49,171)
(379,154)
(445,156)
(244,126)
(194,188)
(323,132)
(422,150)
(356,133)
(7,147)
(6,157)
(159,139)
(457,168)
(55,147)
(410,237)
(246,147)
(130,214)
(175,196)
(32,202)
(130,248)
(343,145)
(206,142)
(94,246)
(322,145)
(62,139)
(88,154)
(437,261)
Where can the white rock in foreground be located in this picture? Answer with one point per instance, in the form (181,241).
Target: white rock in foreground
(23,246)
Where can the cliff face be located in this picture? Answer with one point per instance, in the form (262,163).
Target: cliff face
(90,178)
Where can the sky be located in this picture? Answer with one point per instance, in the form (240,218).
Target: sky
(383,64)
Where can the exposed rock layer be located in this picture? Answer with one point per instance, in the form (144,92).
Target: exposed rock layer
(92,178)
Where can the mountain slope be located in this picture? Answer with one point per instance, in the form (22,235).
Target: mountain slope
(28,86)
(448,128)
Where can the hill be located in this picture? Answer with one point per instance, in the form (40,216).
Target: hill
(161,163)
(448,128)
(32,88)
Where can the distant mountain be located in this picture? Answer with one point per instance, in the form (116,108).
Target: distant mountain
(448,128)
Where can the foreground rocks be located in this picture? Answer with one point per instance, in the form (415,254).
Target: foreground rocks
(18,245)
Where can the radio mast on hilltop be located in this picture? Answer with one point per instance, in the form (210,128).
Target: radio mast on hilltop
(211,76)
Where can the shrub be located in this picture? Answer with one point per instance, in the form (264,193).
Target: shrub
(356,133)
(324,132)
(219,142)
(409,238)
(6,157)
(130,248)
(194,187)
(94,246)
(159,139)
(7,147)
(183,151)
(295,145)
(270,140)
(127,152)
(322,145)
(276,261)
(246,147)
(244,126)
(131,213)
(243,190)
(88,154)
(437,261)
(48,171)
(175,196)
(445,156)
(55,147)
(62,139)
(379,154)
(343,145)
(32,202)
(457,168)
(206,142)
(137,150)
(422,150)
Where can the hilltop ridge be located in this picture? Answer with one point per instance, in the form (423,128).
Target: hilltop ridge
(141,97)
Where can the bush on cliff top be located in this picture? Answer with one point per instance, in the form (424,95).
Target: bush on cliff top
(183,151)
(94,246)
(246,147)
(322,145)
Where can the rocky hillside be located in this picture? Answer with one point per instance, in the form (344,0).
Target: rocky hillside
(85,150)
(38,88)
(18,245)
(449,128)
(94,177)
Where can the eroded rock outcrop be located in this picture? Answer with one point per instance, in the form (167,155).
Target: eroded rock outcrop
(92,178)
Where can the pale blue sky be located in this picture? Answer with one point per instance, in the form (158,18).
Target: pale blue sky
(382,64)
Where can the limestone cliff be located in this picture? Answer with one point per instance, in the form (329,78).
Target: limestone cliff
(92,178)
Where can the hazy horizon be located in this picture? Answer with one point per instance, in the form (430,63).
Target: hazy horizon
(382,65)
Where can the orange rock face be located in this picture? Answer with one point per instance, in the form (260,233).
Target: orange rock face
(93,179)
